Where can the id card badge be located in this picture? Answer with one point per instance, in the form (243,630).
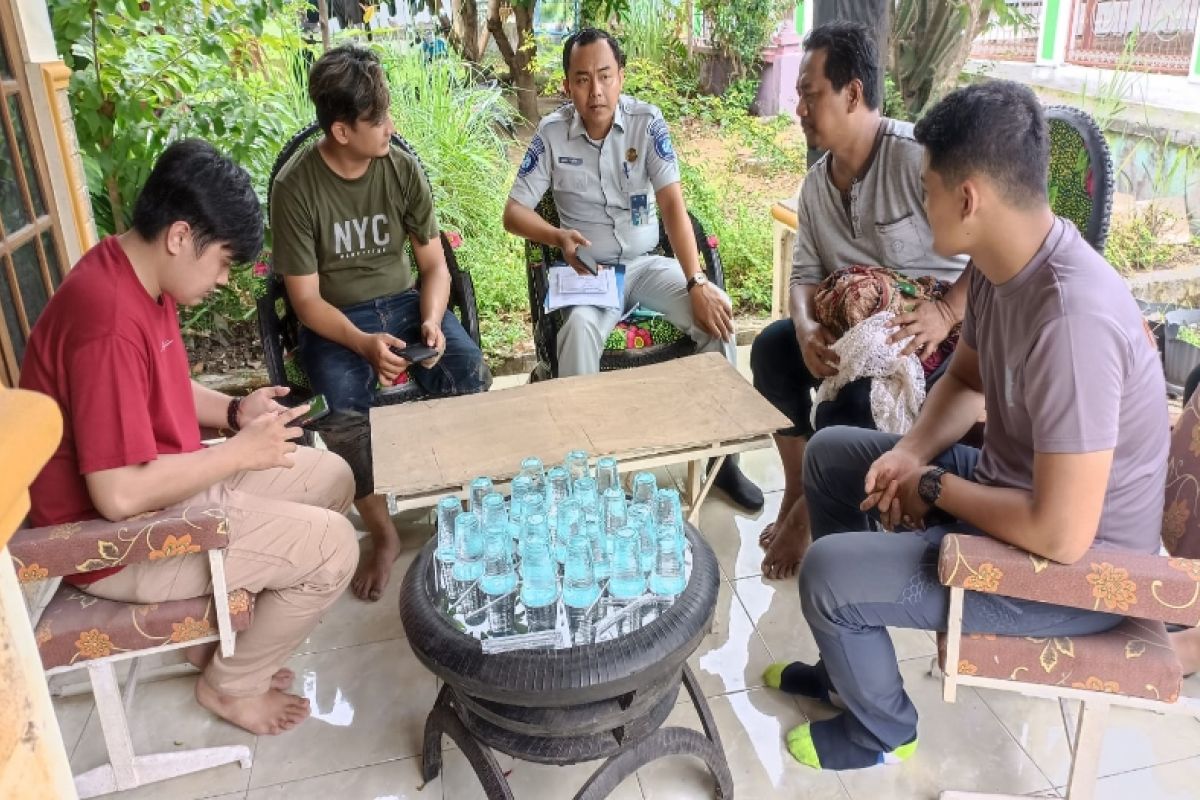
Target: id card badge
(639,209)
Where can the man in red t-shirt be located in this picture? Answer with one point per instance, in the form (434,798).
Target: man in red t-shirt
(107,348)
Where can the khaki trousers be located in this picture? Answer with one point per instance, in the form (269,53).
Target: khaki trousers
(289,543)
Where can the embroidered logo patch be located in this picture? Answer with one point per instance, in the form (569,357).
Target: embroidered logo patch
(662,140)
(536,148)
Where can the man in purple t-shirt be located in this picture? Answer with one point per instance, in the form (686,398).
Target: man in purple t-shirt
(1074,452)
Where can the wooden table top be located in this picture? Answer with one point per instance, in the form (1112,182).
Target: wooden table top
(688,403)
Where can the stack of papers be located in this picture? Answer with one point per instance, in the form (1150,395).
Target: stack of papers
(569,288)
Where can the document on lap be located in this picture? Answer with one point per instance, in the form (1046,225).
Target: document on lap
(568,288)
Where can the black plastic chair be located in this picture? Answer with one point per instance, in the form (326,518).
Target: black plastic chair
(278,325)
(1081,173)
(669,342)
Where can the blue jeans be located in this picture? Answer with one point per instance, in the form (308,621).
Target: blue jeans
(854,584)
(349,382)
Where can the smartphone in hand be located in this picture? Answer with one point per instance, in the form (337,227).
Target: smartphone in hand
(416,353)
(585,258)
(318,408)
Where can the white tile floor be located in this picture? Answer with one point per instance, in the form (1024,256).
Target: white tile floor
(370,697)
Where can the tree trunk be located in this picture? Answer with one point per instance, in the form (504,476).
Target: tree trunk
(520,59)
(464,34)
(930,44)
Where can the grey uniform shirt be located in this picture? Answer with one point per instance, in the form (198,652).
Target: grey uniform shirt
(603,189)
(883,224)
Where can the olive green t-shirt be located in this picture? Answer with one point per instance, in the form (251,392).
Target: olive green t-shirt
(350,232)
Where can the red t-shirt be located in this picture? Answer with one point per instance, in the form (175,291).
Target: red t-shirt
(112,357)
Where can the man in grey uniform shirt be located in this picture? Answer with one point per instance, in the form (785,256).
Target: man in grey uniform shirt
(860,204)
(609,161)
(1074,454)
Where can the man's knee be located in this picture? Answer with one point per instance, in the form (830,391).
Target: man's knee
(339,552)
(339,483)
(770,351)
(828,446)
(820,573)
(349,437)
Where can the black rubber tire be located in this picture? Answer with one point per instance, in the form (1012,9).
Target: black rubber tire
(563,677)
(575,720)
(569,749)
(1102,170)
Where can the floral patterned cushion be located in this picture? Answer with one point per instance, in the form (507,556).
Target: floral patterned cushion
(1181,517)
(1137,584)
(76,547)
(78,627)
(1134,659)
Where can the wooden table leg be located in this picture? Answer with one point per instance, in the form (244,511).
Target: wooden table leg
(697,488)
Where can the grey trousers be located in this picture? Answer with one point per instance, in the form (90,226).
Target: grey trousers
(654,282)
(854,585)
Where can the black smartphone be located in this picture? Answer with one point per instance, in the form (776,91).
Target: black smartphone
(318,408)
(416,353)
(586,259)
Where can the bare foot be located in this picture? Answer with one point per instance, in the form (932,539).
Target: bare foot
(1187,649)
(788,545)
(282,679)
(269,713)
(374,571)
(768,535)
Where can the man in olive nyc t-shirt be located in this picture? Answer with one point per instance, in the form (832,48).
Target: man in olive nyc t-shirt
(342,211)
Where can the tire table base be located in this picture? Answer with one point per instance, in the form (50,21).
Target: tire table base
(633,752)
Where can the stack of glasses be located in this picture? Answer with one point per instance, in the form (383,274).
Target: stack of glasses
(567,560)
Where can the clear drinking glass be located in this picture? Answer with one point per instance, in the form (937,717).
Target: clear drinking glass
(667,578)
(468,567)
(642,520)
(532,468)
(448,508)
(479,488)
(539,576)
(601,562)
(579,576)
(585,493)
(533,503)
(559,483)
(576,464)
(613,515)
(628,582)
(644,487)
(607,475)
(521,486)
(499,580)
(667,508)
(494,513)
(568,525)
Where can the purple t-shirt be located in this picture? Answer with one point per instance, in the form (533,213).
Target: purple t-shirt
(1068,366)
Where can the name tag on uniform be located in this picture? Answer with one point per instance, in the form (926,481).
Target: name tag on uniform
(640,210)
(574,162)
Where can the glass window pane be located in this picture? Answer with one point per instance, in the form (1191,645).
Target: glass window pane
(30,281)
(4,70)
(12,206)
(35,184)
(52,258)
(13,323)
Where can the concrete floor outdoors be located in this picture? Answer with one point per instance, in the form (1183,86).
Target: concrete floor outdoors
(370,696)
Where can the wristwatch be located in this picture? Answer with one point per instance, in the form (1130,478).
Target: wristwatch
(699,279)
(929,488)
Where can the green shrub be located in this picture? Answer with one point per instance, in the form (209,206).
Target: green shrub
(1134,241)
